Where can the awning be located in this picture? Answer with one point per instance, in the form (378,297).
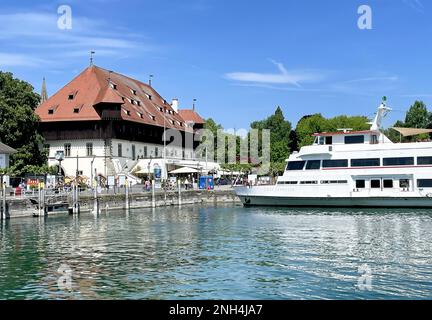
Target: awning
(183,170)
(406,132)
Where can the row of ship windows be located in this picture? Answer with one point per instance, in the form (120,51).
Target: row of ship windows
(343,163)
(361,184)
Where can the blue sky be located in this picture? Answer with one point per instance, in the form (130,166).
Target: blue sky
(238,58)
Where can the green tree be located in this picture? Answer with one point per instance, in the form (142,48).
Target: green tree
(19,123)
(417,116)
(308,125)
(280,130)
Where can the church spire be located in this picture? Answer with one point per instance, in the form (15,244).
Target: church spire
(44,94)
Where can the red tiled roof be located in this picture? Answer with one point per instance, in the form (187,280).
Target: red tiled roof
(139,102)
(191,115)
(341,133)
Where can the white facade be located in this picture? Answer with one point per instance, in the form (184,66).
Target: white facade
(115,156)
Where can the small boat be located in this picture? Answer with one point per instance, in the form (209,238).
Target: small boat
(351,169)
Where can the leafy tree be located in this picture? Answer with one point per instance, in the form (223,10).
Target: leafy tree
(316,123)
(19,123)
(280,130)
(417,116)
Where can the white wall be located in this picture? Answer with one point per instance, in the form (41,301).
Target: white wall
(78,147)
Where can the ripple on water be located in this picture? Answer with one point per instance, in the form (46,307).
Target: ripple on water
(220,252)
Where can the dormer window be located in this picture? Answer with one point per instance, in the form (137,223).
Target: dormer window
(148,96)
(134,92)
(113,85)
(52,109)
(152,117)
(72,95)
(138,103)
(140,115)
(77,109)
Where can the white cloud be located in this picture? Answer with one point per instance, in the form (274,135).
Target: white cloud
(283,77)
(19,60)
(36,38)
(415,4)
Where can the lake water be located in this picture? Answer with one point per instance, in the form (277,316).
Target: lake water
(224,252)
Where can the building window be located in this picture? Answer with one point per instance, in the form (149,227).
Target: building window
(287,182)
(296,165)
(387,183)
(89,148)
(46,147)
(67,149)
(424,183)
(133,152)
(340,163)
(375,162)
(375,184)
(145,151)
(313,165)
(119,150)
(156,152)
(71,96)
(50,111)
(354,139)
(360,184)
(424,160)
(407,161)
(404,183)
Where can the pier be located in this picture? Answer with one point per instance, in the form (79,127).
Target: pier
(75,201)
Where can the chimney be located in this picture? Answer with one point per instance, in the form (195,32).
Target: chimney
(174,104)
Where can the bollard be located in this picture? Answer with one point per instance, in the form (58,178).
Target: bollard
(127,194)
(153,195)
(4,208)
(179,192)
(39,200)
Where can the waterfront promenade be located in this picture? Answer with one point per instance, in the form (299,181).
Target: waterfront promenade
(90,202)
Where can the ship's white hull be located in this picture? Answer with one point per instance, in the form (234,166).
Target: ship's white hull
(336,202)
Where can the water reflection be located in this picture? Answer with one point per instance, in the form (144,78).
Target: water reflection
(219,252)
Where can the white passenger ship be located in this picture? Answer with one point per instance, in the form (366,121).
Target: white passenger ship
(351,169)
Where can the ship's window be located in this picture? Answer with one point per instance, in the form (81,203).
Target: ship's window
(424,160)
(308,182)
(375,162)
(287,182)
(360,184)
(387,183)
(313,165)
(375,184)
(339,163)
(424,183)
(296,165)
(354,139)
(404,183)
(407,161)
(334,181)
(374,139)
(329,140)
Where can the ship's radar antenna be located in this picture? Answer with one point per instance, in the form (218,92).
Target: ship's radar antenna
(382,111)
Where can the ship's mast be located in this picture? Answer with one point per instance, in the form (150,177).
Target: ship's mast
(382,111)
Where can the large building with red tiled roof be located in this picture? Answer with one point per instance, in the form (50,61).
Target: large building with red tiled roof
(112,123)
